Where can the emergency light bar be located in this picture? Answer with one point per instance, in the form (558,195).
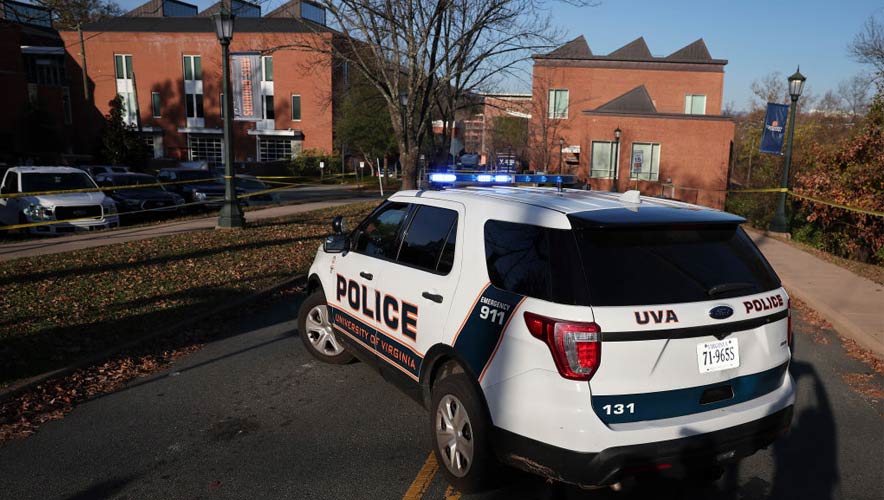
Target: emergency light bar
(451,178)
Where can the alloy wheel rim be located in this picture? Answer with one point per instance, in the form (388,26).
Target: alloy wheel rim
(319,332)
(454,436)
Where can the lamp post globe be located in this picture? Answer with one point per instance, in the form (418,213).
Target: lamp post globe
(231,216)
(779,223)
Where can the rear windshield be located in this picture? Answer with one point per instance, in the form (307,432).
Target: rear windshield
(45,181)
(640,266)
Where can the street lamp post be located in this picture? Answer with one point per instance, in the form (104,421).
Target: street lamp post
(561,153)
(231,215)
(614,157)
(779,224)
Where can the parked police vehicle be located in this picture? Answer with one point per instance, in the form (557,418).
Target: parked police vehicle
(582,336)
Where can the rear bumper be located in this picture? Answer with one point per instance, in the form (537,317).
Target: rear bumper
(611,464)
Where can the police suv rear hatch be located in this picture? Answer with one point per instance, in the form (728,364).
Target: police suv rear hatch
(692,316)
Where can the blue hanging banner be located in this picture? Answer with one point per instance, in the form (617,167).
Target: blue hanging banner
(774,128)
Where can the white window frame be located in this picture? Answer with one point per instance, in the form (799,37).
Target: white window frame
(611,147)
(689,104)
(193,87)
(126,87)
(652,173)
(553,99)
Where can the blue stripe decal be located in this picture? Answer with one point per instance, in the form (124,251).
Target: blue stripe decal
(391,349)
(624,408)
(479,336)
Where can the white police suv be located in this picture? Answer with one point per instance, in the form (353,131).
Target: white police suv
(582,336)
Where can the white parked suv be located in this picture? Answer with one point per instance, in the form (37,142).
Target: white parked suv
(75,211)
(582,336)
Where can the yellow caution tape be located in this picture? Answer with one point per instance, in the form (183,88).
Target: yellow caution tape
(763,190)
(837,205)
(92,190)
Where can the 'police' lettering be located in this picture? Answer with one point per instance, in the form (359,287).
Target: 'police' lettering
(763,304)
(395,314)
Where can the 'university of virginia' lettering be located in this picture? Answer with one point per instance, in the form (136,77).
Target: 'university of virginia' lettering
(667,316)
(378,306)
(763,304)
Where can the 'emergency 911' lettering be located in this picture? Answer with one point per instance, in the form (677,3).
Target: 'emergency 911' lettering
(378,306)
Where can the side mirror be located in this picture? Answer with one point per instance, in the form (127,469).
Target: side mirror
(336,243)
(338,224)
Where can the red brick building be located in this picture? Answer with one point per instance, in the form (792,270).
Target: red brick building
(164,60)
(668,111)
(37,121)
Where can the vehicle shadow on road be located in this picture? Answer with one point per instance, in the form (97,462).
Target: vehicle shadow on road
(104,489)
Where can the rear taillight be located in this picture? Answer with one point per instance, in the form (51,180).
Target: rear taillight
(789,323)
(576,347)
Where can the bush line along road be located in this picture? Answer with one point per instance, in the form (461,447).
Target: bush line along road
(252,415)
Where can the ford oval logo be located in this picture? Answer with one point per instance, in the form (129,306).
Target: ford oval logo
(721,312)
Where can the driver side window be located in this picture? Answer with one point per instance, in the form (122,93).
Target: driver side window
(378,235)
(11,184)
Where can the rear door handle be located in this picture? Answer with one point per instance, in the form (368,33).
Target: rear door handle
(432,296)
(366,275)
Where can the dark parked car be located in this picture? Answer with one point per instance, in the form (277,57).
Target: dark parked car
(248,184)
(206,185)
(95,170)
(155,198)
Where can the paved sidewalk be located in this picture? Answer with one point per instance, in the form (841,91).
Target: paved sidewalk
(853,304)
(46,246)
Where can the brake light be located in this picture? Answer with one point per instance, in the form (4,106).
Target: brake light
(789,323)
(575,347)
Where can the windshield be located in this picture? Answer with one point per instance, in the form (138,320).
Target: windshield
(643,266)
(247,183)
(45,181)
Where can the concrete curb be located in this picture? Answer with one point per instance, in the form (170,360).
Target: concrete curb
(21,386)
(841,323)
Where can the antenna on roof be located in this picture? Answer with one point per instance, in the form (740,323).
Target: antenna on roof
(631,196)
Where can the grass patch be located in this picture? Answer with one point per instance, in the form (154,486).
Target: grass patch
(60,308)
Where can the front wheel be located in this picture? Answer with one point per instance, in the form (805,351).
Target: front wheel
(317,333)
(461,434)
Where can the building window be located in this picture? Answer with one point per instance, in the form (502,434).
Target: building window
(45,69)
(602,160)
(155,104)
(269,113)
(695,104)
(313,12)
(558,104)
(66,106)
(194,105)
(193,67)
(274,148)
(296,108)
(126,87)
(645,163)
(205,147)
(267,68)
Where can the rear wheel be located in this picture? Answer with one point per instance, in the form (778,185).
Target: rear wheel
(317,333)
(461,434)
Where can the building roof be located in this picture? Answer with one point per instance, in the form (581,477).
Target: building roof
(241,8)
(157,8)
(292,8)
(636,100)
(203,25)
(634,51)
(575,49)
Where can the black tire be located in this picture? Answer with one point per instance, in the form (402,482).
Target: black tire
(468,474)
(317,334)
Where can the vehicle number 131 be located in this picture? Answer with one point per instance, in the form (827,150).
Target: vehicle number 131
(619,409)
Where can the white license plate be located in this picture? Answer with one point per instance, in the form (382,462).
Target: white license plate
(718,355)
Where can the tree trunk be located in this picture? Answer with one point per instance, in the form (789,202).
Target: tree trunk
(408,160)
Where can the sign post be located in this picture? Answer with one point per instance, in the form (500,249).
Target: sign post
(321,170)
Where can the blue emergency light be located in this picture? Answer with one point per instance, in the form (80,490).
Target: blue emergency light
(451,178)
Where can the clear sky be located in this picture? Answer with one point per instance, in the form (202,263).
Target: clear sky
(757,37)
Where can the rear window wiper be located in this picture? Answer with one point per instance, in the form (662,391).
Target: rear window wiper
(729,287)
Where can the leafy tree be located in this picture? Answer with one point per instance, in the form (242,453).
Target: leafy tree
(363,124)
(121,144)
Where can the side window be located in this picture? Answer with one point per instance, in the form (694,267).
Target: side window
(426,238)
(534,261)
(378,235)
(11,185)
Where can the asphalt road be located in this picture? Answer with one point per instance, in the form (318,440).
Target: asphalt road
(253,416)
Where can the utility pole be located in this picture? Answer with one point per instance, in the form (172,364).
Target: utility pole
(86,95)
